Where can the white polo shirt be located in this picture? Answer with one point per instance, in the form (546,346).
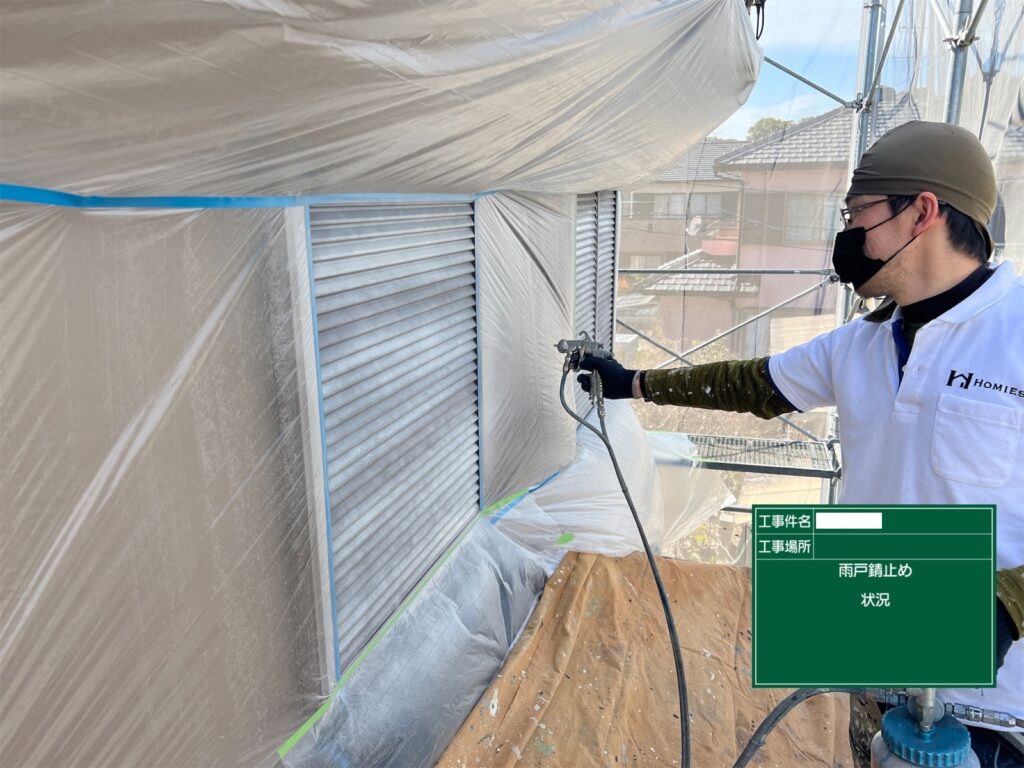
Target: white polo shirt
(951,433)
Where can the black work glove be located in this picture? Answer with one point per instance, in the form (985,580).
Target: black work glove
(1006,632)
(616,380)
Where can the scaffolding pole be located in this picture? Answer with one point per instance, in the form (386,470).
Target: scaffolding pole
(872,20)
(885,52)
(966,28)
(811,83)
(724,271)
(680,358)
(964,38)
(869,77)
(747,322)
(969,37)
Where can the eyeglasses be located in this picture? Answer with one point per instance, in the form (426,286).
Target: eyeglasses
(846,214)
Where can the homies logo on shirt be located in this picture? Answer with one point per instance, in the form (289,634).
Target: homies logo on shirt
(967,380)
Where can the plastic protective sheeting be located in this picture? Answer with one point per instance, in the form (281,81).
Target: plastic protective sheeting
(583,508)
(406,700)
(243,97)
(991,98)
(692,495)
(922,63)
(161,600)
(525,270)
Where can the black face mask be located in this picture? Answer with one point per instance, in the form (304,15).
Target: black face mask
(848,257)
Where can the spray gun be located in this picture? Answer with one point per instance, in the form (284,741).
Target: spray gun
(919,731)
(576,349)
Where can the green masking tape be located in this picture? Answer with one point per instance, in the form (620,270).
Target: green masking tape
(285,748)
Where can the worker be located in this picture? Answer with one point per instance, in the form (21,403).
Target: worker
(929,387)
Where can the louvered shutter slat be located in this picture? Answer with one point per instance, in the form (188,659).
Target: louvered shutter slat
(605,301)
(363,551)
(339,375)
(430,379)
(377,389)
(370,504)
(586,277)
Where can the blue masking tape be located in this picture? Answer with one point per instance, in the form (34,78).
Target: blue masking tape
(323,445)
(496,518)
(39,196)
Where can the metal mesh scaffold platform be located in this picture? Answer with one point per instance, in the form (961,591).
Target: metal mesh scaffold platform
(800,458)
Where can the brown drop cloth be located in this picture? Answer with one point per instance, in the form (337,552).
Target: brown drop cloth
(591,681)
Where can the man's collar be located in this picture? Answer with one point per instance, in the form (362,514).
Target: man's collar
(881,313)
(990,291)
(926,310)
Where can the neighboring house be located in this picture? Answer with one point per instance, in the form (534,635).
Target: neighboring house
(696,306)
(794,182)
(666,219)
(690,209)
(767,204)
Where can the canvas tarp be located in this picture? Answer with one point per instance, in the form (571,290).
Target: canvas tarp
(591,682)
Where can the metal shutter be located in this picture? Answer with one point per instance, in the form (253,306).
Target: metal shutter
(396,314)
(596,229)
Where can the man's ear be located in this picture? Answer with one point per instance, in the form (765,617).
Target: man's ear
(926,206)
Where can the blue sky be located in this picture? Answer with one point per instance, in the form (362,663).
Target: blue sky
(819,40)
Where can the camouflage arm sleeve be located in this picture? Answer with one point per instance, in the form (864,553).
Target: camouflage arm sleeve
(1010,590)
(744,386)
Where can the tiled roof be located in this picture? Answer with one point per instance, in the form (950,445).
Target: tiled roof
(1013,144)
(699,163)
(696,283)
(633,301)
(824,139)
(636,308)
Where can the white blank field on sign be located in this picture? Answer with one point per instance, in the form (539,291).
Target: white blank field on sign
(860,520)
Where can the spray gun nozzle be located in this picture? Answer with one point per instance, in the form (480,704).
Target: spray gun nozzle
(576,349)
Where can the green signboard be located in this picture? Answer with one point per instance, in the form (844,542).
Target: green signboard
(873,596)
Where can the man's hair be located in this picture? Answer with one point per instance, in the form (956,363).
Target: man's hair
(963,232)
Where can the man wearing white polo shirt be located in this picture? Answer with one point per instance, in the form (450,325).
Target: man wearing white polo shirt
(930,387)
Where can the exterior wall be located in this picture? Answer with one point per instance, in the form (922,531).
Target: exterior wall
(688,319)
(641,237)
(649,240)
(776,288)
(826,181)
